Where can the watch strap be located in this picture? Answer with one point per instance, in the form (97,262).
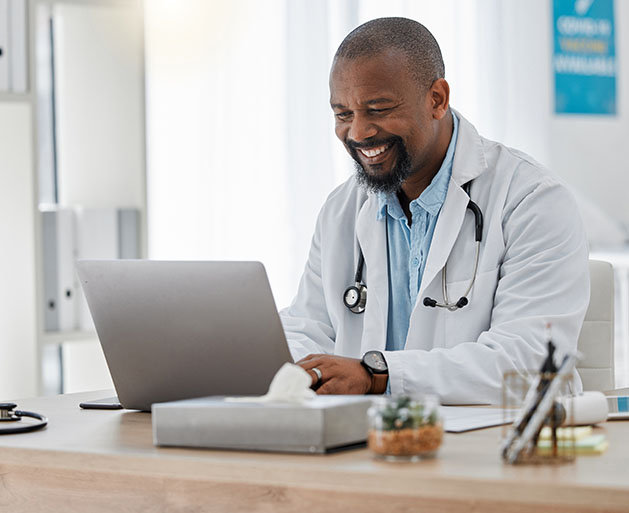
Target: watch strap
(379,383)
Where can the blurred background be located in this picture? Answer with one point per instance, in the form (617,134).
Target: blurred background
(201,130)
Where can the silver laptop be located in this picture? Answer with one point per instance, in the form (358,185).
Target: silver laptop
(178,330)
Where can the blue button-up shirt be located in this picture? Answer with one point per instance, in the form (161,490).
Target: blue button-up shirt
(407,246)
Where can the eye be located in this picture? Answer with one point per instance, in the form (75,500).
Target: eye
(379,111)
(343,116)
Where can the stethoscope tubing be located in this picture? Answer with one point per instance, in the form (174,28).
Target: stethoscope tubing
(12,415)
(454,306)
(360,289)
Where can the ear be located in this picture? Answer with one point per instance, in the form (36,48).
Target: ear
(440,97)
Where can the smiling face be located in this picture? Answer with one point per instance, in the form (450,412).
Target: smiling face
(395,129)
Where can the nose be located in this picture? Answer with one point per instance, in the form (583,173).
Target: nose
(361,129)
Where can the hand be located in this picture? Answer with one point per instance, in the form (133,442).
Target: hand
(339,375)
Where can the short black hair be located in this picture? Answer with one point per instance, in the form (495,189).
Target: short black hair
(415,41)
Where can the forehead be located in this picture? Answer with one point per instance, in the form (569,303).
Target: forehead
(384,75)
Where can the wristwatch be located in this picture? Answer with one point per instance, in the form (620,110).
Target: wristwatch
(377,367)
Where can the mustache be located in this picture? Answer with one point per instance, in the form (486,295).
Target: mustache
(373,143)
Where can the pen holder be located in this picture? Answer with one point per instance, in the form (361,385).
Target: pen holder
(552,443)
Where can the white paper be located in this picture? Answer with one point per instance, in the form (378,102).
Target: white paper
(457,419)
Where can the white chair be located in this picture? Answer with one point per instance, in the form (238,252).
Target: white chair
(596,341)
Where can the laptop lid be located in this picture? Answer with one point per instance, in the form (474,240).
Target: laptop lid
(178,330)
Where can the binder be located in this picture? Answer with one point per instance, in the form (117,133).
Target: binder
(104,233)
(96,238)
(58,262)
(96,233)
(17,44)
(128,233)
(80,233)
(4,46)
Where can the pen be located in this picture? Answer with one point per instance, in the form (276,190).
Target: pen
(531,400)
(539,411)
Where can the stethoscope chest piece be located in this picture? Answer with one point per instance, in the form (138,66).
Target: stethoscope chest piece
(6,412)
(355,297)
(9,414)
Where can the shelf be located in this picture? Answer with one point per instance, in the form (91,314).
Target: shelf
(15,97)
(54,337)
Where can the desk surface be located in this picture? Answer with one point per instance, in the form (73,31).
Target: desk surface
(99,460)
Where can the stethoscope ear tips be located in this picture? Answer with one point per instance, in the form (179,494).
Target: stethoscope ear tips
(432,303)
(462,302)
(428,301)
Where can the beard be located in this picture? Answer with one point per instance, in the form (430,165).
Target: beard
(382,182)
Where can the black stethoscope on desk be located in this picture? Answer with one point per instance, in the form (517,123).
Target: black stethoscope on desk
(8,413)
(355,296)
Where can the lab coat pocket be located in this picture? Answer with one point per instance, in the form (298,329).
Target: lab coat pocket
(467,323)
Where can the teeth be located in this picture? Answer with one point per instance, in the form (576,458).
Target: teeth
(372,152)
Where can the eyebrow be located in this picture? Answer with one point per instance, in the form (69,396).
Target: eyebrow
(373,101)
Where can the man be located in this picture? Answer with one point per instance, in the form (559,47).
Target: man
(408,212)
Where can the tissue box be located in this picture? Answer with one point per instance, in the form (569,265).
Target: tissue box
(322,424)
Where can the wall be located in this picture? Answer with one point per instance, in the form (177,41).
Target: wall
(18,321)
(592,152)
(515,105)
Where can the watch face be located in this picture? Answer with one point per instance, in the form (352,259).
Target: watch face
(375,360)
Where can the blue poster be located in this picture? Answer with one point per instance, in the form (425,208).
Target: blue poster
(584,58)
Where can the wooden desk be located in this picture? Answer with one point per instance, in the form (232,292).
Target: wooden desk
(105,461)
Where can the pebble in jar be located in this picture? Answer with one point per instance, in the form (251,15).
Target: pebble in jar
(403,428)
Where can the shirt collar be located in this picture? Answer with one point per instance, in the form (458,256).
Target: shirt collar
(433,197)
(389,204)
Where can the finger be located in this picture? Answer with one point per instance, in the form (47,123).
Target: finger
(315,378)
(308,358)
(314,362)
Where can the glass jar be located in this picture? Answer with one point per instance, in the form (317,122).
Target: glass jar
(404,428)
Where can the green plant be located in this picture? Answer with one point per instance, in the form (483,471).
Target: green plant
(405,413)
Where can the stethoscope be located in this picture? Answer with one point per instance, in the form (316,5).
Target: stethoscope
(8,413)
(355,296)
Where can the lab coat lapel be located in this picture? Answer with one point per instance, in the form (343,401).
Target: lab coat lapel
(446,232)
(371,235)
(469,162)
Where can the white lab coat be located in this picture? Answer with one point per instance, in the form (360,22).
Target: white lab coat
(533,269)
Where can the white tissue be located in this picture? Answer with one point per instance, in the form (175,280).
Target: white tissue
(291,384)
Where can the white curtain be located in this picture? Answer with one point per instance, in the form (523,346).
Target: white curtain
(216,133)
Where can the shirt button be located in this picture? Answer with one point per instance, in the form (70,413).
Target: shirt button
(415,261)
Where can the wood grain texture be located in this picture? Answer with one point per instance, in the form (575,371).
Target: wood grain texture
(105,461)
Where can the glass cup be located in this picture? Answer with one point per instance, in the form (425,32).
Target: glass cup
(405,428)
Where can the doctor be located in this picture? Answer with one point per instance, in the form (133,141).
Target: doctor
(470,248)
